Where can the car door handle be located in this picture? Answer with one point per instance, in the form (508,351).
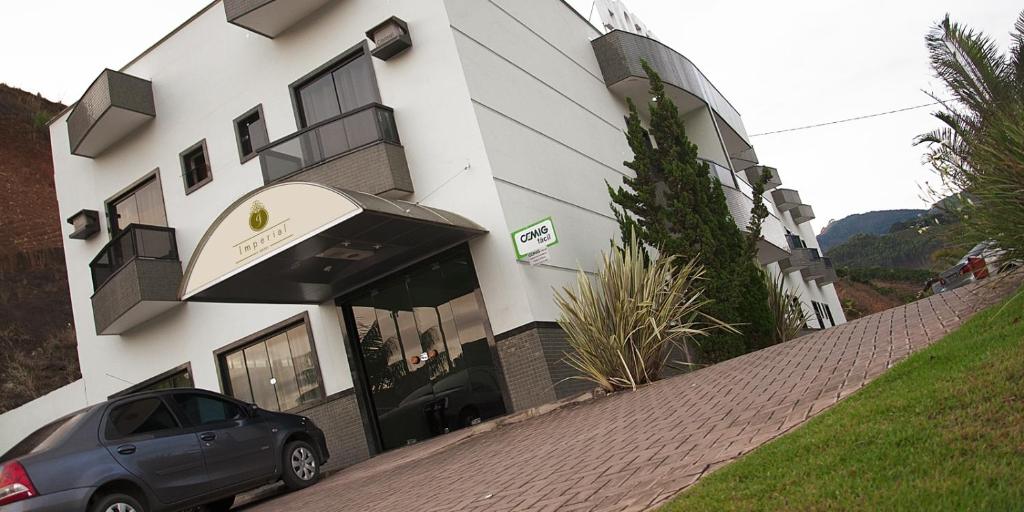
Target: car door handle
(127,449)
(207,436)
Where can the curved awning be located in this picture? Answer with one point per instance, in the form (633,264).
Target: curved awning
(305,243)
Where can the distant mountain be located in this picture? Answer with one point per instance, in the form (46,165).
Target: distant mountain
(871,223)
(929,241)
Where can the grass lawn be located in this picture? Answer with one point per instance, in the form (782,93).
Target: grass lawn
(944,430)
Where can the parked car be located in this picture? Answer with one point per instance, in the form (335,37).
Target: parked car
(981,261)
(159,451)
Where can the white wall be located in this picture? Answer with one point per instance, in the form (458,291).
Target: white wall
(15,425)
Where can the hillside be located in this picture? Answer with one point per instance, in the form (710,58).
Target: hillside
(37,339)
(871,223)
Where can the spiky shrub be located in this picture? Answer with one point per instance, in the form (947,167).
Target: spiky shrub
(788,317)
(623,323)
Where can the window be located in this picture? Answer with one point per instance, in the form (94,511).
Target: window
(345,85)
(276,371)
(141,204)
(195,167)
(206,410)
(144,416)
(180,377)
(828,313)
(251,132)
(818,313)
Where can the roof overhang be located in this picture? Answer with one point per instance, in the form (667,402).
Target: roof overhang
(305,243)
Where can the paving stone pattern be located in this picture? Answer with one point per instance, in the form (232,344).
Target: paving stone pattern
(633,451)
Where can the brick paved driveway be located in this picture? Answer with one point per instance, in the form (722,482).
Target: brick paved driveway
(632,451)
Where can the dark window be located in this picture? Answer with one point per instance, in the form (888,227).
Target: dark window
(251,131)
(277,372)
(817,314)
(342,88)
(195,167)
(828,313)
(178,378)
(205,410)
(144,416)
(143,204)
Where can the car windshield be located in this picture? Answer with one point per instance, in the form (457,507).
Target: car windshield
(44,438)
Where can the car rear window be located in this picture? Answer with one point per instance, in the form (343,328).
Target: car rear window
(44,438)
(138,417)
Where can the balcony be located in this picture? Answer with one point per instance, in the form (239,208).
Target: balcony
(270,18)
(829,276)
(802,213)
(753,175)
(772,245)
(114,106)
(815,271)
(358,150)
(786,199)
(135,278)
(799,259)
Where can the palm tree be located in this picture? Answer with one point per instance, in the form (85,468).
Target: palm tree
(979,150)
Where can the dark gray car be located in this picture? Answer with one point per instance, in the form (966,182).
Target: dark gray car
(159,451)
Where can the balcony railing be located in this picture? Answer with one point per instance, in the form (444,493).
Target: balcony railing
(137,241)
(328,139)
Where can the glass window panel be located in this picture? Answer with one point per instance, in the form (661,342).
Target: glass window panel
(238,376)
(180,379)
(305,367)
(410,338)
(258,363)
(154,244)
(334,139)
(389,333)
(319,100)
(140,417)
(206,410)
(451,332)
(360,128)
(284,372)
(355,85)
(125,213)
(150,203)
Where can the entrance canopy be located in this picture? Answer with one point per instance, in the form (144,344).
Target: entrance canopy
(306,243)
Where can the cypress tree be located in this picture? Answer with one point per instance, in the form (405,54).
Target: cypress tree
(675,204)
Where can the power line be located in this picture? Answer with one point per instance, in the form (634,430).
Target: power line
(858,118)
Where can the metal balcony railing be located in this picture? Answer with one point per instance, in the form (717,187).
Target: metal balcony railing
(328,139)
(137,241)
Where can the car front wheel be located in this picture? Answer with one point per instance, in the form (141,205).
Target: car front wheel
(301,467)
(117,503)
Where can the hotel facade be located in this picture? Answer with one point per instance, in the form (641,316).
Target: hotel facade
(310,205)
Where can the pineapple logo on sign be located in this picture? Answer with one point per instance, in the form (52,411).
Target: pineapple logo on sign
(259,217)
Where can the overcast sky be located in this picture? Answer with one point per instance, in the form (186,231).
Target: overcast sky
(808,62)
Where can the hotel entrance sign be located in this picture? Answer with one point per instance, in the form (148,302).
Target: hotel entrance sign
(532,238)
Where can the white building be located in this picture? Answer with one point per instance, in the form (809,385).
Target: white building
(308,204)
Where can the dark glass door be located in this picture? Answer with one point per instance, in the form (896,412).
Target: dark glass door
(424,346)
(343,89)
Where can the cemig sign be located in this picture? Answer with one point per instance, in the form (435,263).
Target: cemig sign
(534,237)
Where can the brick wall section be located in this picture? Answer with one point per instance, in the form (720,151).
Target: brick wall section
(526,370)
(342,424)
(555,346)
(379,169)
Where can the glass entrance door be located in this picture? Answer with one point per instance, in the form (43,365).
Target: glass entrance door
(425,349)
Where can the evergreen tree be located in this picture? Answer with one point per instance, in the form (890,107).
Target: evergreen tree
(758,213)
(675,204)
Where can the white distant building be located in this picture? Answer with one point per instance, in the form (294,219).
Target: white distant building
(309,205)
(615,16)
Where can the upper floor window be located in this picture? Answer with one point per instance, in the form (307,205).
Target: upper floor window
(277,371)
(343,86)
(251,132)
(141,204)
(195,167)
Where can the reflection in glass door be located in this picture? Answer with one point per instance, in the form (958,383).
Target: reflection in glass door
(425,350)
